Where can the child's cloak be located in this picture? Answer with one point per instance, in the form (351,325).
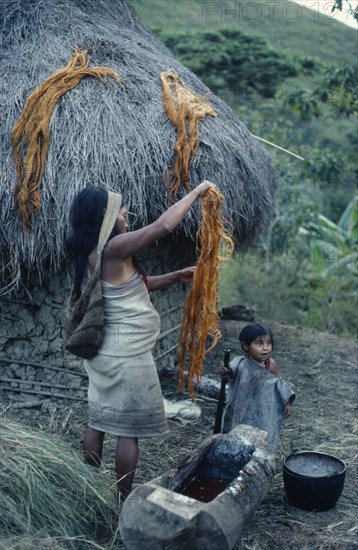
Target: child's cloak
(256,397)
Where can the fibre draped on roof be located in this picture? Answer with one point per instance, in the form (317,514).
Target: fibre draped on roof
(117,137)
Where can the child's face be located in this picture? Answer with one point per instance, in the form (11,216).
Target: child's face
(260,349)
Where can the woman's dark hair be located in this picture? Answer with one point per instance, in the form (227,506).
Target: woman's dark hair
(85,221)
(250,332)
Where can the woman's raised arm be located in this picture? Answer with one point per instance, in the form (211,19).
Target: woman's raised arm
(128,244)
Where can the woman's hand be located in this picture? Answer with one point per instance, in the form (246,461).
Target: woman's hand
(185,275)
(126,245)
(204,186)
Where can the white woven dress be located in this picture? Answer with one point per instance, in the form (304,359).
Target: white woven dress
(124,393)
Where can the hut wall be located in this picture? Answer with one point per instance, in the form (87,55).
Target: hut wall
(31,329)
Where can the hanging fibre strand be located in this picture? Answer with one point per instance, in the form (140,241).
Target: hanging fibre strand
(31,137)
(200,318)
(184,109)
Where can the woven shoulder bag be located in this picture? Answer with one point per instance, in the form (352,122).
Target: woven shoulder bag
(84,318)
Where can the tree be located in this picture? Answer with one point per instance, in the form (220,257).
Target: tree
(237,61)
(338,89)
(338,5)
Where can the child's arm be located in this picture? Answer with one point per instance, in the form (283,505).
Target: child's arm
(274,368)
(287,407)
(276,371)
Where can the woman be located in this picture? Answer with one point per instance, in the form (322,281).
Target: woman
(124,394)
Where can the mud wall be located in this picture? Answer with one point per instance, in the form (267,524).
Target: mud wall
(31,331)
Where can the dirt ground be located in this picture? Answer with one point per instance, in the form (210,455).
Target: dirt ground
(321,369)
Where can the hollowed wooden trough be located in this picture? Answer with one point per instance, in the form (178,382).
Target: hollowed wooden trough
(227,477)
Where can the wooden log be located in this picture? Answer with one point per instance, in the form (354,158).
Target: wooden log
(237,312)
(157,515)
(208,387)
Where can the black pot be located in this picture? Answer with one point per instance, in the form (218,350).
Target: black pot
(313,481)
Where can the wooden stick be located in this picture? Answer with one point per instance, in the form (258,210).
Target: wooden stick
(45,384)
(49,394)
(169,331)
(222,395)
(207,399)
(42,366)
(165,352)
(22,302)
(27,404)
(171,310)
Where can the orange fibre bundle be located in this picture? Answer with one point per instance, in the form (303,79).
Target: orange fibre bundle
(200,318)
(31,136)
(184,109)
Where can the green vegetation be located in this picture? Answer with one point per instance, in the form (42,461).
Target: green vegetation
(232,59)
(260,61)
(308,278)
(338,89)
(337,242)
(297,30)
(279,287)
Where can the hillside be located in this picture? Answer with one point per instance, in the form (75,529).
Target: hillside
(323,184)
(292,30)
(295,30)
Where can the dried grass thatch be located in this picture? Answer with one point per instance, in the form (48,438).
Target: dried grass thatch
(48,493)
(117,137)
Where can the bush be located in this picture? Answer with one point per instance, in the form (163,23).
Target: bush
(281,288)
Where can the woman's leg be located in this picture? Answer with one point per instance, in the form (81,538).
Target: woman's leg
(126,463)
(92,447)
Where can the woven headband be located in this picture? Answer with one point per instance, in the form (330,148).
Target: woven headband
(111,214)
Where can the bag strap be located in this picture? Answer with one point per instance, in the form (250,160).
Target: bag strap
(110,216)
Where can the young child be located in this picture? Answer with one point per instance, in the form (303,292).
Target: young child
(256,395)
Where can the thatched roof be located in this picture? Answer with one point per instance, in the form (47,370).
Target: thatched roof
(119,138)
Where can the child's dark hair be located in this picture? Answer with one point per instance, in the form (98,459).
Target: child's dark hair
(250,332)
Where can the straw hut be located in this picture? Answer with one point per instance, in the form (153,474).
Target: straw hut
(110,135)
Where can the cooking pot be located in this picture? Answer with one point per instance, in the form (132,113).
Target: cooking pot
(312,480)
